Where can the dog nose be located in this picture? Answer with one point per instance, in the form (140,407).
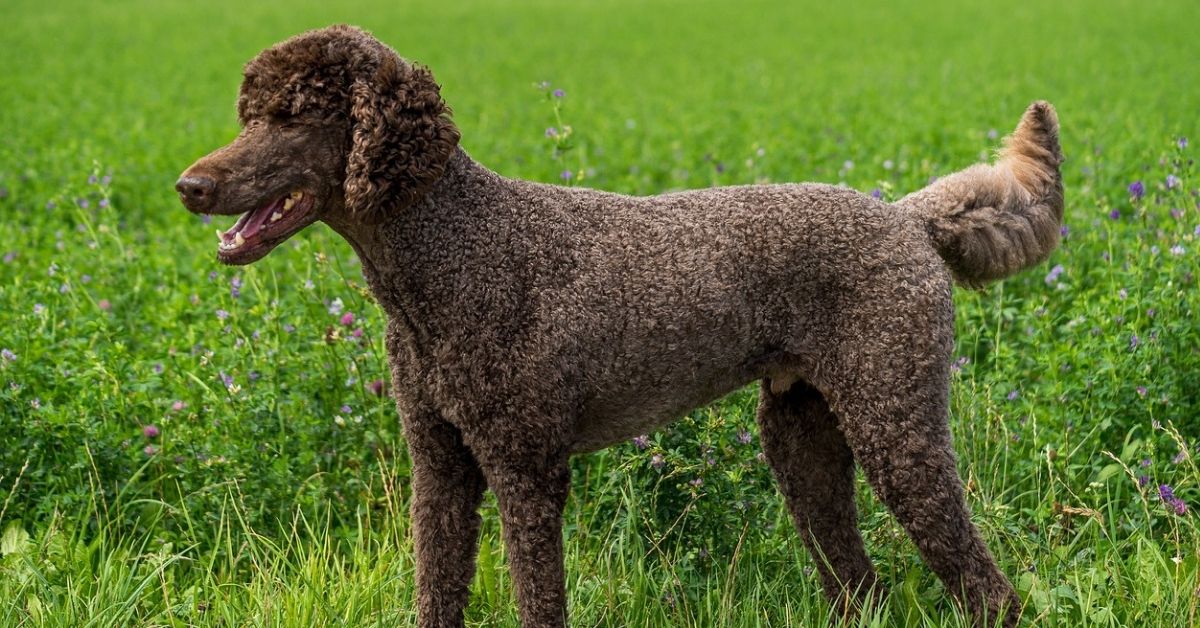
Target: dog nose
(196,191)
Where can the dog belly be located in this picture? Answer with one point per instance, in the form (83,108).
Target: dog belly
(625,413)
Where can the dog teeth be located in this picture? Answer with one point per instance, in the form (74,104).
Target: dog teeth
(276,216)
(238,240)
(297,195)
(287,204)
(220,235)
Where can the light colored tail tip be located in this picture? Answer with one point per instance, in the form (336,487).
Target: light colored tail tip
(1038,128)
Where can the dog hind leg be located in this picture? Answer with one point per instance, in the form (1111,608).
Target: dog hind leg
(898,429)
(815,471)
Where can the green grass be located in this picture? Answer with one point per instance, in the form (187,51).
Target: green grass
(279,498)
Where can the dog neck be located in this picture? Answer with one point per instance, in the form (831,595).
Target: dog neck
(395,252)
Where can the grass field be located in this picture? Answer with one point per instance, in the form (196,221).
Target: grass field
(185,444)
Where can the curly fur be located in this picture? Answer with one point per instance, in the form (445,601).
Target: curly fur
(529,322)
(989,222)
(402,132)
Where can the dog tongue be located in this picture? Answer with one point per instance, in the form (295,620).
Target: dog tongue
(259,218)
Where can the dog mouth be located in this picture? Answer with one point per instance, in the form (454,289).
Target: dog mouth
(259,230)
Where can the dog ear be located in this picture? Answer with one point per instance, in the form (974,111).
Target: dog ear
(402,139)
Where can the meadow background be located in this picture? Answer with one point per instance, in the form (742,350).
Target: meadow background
(185,444)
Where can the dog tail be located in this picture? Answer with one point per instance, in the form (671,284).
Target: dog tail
(990,221)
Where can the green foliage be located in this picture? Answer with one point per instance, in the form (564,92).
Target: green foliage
(272,486)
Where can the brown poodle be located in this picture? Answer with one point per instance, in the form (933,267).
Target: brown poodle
(529,322)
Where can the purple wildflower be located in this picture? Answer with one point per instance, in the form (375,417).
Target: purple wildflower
(551,132)
(106,179)
(347,319)
(357,333)
(235,287)
(657,461)
(376,387)
(1064,231)
(178,405)
(85,278)
(696,482)
(1177,250)
(336,306)
(1137,190)
(744,437)
(11,255)
(158,368)
(222,315)
(1052,276)
(1114,214)
(565,175)
(1134,342)
(289,328)
(1013,394)
(1145,462)
(1176,213)
(960,363)
(1180,457)
(92,179)
(1172,182)
(104,202)
(83,203)
(150,451)
(641,442)
(1143,480)
(1141,391)
(345,409)
(38,308)
(104,304)
(559,93)
(1181,142)
(8,355)
(1122,294)
(992,134)
(226,379)
(877,193)
(151,431)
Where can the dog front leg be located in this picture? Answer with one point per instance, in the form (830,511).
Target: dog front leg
(447,488)
(531,492)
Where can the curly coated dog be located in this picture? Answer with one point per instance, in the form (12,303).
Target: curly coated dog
(528,322)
